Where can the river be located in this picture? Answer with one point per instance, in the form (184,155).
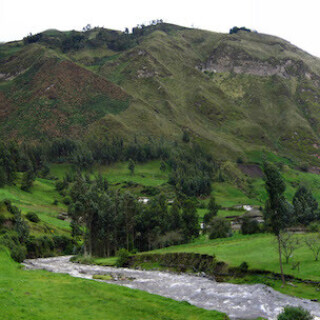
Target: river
(237,301)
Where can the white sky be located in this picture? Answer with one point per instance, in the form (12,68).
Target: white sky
(294,20)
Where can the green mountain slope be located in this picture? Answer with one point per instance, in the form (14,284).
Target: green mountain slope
(233,93)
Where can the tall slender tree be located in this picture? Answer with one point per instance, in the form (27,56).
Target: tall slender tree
(276,209)
(213,209)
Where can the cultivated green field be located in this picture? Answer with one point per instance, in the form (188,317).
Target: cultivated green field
(35,295)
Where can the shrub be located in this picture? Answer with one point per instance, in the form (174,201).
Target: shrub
(202,205)
(244,267)
(249,226)
(150,191)
(123,258)
(33,217)
(64,244)
(219,228)
(185,137)
(236,30)
(240,160)
(18,253)
(2,220)
(61,185)
(55,202)
(314,227)
(294,313)
(66,201)
(82,259)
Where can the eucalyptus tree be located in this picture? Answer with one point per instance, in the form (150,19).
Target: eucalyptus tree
(277,213)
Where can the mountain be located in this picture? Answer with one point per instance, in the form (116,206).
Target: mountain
(234,93)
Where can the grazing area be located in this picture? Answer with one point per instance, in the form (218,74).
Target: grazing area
(39,200)
(259,251)
(24,296)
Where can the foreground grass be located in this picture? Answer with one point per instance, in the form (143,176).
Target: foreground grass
(40,294)
(259,251)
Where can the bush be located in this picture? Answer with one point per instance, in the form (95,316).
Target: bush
(219,228)
(236,30)
(249,226)
(82,259)
(18,253)
(202,205)
(33,217)
(150,191)
(244,267)
(66,201)
(2,220)
(185,137)
(123,258)
(294,313)
(64,244)
(240,160)
(314,227)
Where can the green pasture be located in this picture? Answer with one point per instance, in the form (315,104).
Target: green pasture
(40,200)
(38,294)
(259,251)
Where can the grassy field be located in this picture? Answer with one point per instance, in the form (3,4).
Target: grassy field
(259,251)
(147,174)
(293,288)
(39,294)
(39,200)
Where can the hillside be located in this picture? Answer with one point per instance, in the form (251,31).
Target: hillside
(233,93)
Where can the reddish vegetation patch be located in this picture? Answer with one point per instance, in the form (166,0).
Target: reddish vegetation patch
(5,107)
(251,170)
(71,83)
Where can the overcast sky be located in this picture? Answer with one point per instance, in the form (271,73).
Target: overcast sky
(293,20)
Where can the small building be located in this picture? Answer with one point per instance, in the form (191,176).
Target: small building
(143,200)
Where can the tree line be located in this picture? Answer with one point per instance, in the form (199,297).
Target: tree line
(192,168)
(108,220)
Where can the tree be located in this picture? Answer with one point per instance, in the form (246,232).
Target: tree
(276,209)
(190,220)
(163,167)
(3,179)
(305,206)
(213,209)
(123,256)
(129,212)
(185,137)
(175,216)
(219,228)
(313,244)
(131,166)
(27,180)
(249,225)
(21,226)
(289,244)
